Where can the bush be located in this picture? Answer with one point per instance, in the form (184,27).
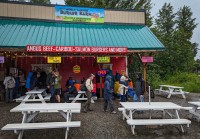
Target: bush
(153,79)
(190,81)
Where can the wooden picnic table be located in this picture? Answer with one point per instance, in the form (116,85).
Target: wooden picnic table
(30,110)
(132,107)
(172,90)
(34,96)
(195,108)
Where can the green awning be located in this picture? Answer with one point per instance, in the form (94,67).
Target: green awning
(19,33)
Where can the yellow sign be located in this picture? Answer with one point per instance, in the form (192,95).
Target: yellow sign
(103,59)
(76,69)
(54,60)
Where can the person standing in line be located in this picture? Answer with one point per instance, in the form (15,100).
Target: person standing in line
(28,80)
(139,88)
(50,84)
(123,88)
(22,83)
(108,93)
(9,83)
(89,86)
(57,86)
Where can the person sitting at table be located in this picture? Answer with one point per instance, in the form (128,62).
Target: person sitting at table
(69,82)
(82,80)
(70,92)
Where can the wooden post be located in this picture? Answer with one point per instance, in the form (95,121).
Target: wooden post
(144,74)
(144,67)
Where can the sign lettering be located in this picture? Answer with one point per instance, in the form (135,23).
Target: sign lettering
(75,49)
(54,60)
(103,59)
(147,59)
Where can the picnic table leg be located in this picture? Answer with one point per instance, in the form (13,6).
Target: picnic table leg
(77,96)
(26,98)
(160,89)
(68,117)
(133,126)
(40,97)
(67,120)
(183,94)
(170,92)
(23,121)
(133,129)
(179,118)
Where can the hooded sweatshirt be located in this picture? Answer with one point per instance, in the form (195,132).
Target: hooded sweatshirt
(139,85)
(107,87)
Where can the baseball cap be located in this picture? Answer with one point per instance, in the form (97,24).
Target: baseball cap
(92,75)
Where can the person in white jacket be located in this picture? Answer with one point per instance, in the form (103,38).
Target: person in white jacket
(123,88)
(89,86)
(9,83)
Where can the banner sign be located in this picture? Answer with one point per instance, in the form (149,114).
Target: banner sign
(76,69)
(54,60)
(103,59)
(1,59)
(75,49)
(101,73)
(79,14)
(147,59)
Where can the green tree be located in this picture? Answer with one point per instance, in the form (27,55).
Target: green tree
(184,31)
(164,29)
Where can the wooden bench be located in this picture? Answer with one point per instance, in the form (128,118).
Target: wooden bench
(20,99)
(55,111)
(47,97)
(46,125)
(19,128)
(134,122)
(79,96)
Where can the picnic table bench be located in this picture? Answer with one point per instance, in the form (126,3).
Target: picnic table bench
(132,107)
(30,110)
(172,90)
(195,109)
(80,96)
(34,96)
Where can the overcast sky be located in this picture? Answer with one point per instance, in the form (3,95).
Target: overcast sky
(157,4)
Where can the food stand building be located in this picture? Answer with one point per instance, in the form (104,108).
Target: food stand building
(31,34)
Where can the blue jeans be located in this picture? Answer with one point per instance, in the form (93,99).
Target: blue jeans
(9,94)
(52,90)
(138,98)
(123,98)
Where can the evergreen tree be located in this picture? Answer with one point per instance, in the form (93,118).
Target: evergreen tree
(184,31)
(164,29)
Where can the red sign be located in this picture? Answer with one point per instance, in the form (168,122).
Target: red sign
(147,59)
(102,73)
(75,49)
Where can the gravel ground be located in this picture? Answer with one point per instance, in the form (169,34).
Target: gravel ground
(100,125)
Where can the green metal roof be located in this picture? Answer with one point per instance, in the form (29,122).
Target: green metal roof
(19,33)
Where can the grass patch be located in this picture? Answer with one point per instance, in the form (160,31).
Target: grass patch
(190,82)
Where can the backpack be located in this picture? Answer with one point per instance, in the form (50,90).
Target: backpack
(10,83)
(83,86)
